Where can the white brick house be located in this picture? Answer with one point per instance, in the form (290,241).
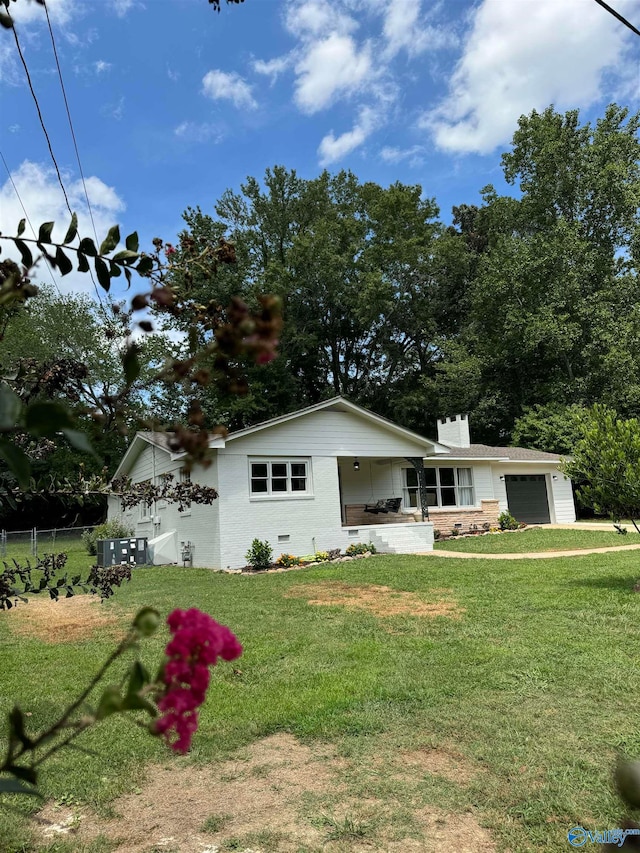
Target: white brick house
(313,480)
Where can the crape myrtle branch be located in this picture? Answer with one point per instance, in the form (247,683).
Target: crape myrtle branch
(219,338)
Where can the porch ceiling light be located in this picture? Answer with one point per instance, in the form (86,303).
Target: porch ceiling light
(502,476)
(356,464)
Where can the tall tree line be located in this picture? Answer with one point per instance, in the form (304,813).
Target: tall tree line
(525,304)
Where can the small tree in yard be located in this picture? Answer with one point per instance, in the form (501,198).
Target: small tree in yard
(606,464)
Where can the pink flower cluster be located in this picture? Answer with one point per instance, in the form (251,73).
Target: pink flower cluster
(198,641)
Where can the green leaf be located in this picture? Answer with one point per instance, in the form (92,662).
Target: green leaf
(80,441)
(63,263)
(102,271)
(138,679)
(10,408)
(25,252)
(114,269)
(132,242)
(110,702)
(87,246)
(125,255)
(44,234)
(139,703)
(111,240)
(131,364)
(83,263)
(47,418)
(145,266)
(21,226)
(72,230)
(7,22)
(17,461)
(14,786)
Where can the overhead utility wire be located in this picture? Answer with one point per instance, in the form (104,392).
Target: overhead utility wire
(26,216)
(618,16)
(75,145)
(44,129)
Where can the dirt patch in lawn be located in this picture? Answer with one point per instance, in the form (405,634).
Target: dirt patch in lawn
(277,796)
(437,761)
(63,621)
(379,600)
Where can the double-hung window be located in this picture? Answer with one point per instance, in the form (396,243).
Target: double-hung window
(446,487)
(279,477)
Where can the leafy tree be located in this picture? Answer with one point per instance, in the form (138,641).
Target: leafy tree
(606,464)
(552,309)
(355,266)
(554,427)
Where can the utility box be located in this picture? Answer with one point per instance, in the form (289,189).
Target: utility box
(113,552)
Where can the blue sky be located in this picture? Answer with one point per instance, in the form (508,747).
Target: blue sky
(173,103)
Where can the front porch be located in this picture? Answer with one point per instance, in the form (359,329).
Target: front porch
(367,482)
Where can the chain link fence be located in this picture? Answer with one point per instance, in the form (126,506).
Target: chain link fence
(38,540)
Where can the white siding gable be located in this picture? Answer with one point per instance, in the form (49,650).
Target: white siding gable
(327,433)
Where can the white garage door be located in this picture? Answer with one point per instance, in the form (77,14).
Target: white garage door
(527,498)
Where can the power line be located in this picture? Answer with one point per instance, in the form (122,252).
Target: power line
(75,145)
(35,99)
(26,216)
(618,16)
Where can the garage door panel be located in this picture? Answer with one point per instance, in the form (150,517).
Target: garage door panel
(527,498)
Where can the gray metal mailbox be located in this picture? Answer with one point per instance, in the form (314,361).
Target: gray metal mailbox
(112,552)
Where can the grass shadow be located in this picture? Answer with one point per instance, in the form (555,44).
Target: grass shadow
(624,583)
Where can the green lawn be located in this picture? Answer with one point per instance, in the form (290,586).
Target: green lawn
(536,685)
(536,539)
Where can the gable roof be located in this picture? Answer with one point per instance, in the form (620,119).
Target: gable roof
(341,404)
(438,449)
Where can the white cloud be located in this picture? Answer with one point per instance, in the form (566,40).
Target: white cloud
(396,155)
(44,202)
(114,109)
(272,67)
(314,18)
(101,66)
(223,85)
(403,29)
(121,7)
(558,52)
(334,148)
(60,11)
(191,131)
(332,66)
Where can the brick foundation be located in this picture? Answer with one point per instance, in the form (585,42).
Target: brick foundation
(445,520)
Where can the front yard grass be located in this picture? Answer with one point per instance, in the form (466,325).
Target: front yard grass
(535,687)
(536,539)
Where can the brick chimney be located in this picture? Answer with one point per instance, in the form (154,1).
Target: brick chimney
(454,431)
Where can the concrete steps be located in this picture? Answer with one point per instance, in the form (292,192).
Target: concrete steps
(402,540)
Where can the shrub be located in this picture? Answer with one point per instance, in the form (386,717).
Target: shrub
(322,556)
(259,555)
(454,532)
(333,553)
(437,534)
(360,548)
(285,561)
(113,529)
(507,521)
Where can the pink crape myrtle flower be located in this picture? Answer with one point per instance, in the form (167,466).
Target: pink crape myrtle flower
(198,641)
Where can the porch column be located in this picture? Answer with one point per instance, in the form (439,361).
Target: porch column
(418,464)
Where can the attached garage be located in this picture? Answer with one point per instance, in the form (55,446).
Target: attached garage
(527,498)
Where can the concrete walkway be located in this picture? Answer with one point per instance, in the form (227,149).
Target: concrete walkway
(532,555)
